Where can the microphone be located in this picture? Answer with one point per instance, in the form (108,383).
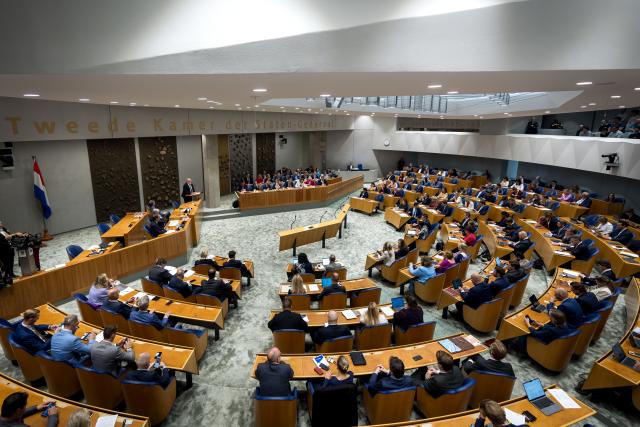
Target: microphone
(324,213)
(294,220)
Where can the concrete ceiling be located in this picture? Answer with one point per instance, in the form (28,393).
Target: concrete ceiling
(485,46)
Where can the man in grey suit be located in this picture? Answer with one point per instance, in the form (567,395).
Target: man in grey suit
(107,356)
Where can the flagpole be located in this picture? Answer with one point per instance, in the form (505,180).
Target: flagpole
(45,234)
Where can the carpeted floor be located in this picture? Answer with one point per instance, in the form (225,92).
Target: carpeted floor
(221,394)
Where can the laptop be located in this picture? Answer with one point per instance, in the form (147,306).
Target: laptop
(325,261)
(536,304)
(326,282)
(456,283)
(621,357)
(294,261)
(537,396)
(498,262)
(397,303)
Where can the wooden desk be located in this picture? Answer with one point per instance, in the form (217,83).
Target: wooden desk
(552,254)
(432,215)
(459,213)
(570,210)
(194,314)
(56,284)
(621,265)
(449,296)
(495,212)
(129,230)
(93,253)
(607,372)
(66,407)
(396,217)
(195,280)
(513,325)
(318,318)
(451,236)
(290,196)
(190,210)
(534,212)
(367,206)
(303,364)
(411,196)
(291,239)
(247,263)
(602,207)
(389,199)
(494,240)
(349,285)
(564,418)
(176,357)
(335,180)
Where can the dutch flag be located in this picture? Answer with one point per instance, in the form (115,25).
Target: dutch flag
(40,191)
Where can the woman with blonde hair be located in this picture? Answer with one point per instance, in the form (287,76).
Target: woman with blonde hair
(372,316)
(99,290)
(387,256)
(343,376)
(205,260)
(80,418)
(297,286)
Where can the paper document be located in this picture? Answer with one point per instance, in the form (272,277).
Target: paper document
(563,398)
(631,254)
(454,239)
(449,346)
(285,289)
(530,221)
(305,318)
(411,232)
(107,421)
(171,269)
(473,340)
(515,418)
(93,247)
(562,253)
(99,337)
(348,314)
(126,290)
(571,273)
(314,288)
(59,265)
(173,223)
(387,311)
(170,231)
(189,273)
(139,295)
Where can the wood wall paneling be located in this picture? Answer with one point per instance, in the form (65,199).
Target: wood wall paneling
(223,164)
(266,153)
(159,168)
(240,158)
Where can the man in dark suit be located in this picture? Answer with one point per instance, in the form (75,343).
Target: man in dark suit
(584,200)
(579,249)
(147,373)
(115,306)
(415,212)
(143,315)
(568,306)
(218,288)
(587,300)
(155,226)
(497,352)
(187,189)
(622,235)
(335,288)
(515,272)
(32,336)
(475,296)
(178,284)
(274,375)
(287,319)
(556,328)
(389,379)
(108,356)
(232,262)
(447,377)
(523,243)
(496,415)
(15,410)
(204,259)
(158,273)
(501,283)
(331,331)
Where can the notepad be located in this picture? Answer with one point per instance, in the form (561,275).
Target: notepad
(139,295)
(514,418)
(285,289)
(563,398)
(107,421)
(449,346)
(387,311)
(171,269)
(562,253)
(314,288)
(189,273)
(99,337)
(349,315)
(173,223)
(571,273)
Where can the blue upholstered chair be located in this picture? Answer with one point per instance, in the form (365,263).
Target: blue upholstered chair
(26,361)
(103,227)
(88,312)
(114,219)
(449,402)
(149,399)
(73,251)
(60,376)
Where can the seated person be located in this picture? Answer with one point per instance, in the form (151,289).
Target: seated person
(66,347)
(500,283)
(150,373)
(335,288)
(410,315)
(387,255)
(475,296)
(515,271)
(158,273)
(287,319)
(423,272)
(462,253)
(566,196)
(114,305)
(216,287)
(274,375)
(364,194)
(621,235)
(143,315)
(603,227)
(577,248)
(372,316)
(389,379)
(469,237)
(155,226)
(343,376)
(303,266)
(31,336)
(447,262)
(331,331)
(568,306)
(584,200)
(402,249)
(99,289)
(588,300)
(297,286)
(107,356)
(604,267)
(497,352)
(205,260)
(523,243)
(601,287)
(333,265)
(415,212)
(556,328)
(465,221)
(232,262)
(14,411)
(178,284)
(491,410)
(447,377)
(424,229)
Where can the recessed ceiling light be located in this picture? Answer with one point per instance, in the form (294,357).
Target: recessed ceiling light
(113,102)
(453,92)
(146,105)
(202,98)
(132,104)
(84,99)
(622,106)
(435,86)
(547,112)
(237,105)
(616,96)
(297,108)
(260,89)
(583,106)
(255,106)
(419,116)
(584,83)
(592,103)
(282,107)
(308,109)
(505,113)
(637,88)
(177,105)
(31,95)
(325,95)
(441,118)
(211,101)
(481,117)
(211,108)
(348,114)
(317,112)
(475,115)
(264,109)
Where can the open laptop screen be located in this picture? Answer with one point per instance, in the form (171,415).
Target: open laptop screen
(533,389)
(397,302)
(326,282)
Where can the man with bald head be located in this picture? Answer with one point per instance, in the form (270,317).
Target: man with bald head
(523,243)
(113,304)
(568,306)
(274,375)
(475,295)
(148,373)
(331,330)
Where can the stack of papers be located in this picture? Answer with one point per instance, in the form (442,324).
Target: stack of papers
(171,269)
(387,311)
(449,346)
(473,340)
(349,314)
(563,398)
(314,288)
(189,273)
(515,418)
(173,223)
(285,289)
(107,421)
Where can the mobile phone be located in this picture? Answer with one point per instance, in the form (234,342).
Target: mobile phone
(158,355)
(85,336)
(634,353)
(417,357)
(526,316)
(45,413)
(169,302)
(529,417)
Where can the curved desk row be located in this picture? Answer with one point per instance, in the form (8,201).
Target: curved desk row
(547,248)
(291,239)
(352,285)
(318,318)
